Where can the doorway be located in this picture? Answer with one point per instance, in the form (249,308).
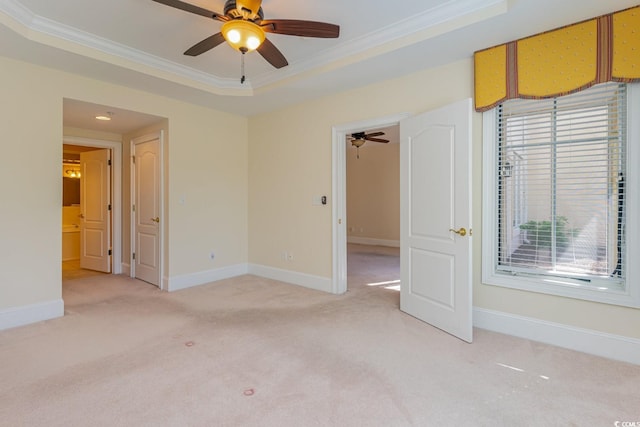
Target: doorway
(339,191)
(72,238)
(435,209)
(373,208)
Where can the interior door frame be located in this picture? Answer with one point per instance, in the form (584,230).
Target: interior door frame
(339,191)
(116,193)
(162,282)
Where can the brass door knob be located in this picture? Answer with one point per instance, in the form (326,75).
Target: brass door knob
(462,231)
(156,219)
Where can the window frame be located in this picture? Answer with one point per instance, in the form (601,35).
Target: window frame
(630,296)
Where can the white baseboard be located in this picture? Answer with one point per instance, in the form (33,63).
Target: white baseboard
(372,241)
(200,278)
(27,314)
(301,279)
(125,269)
(185,281)
(585,340)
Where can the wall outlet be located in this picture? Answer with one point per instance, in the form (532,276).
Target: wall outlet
(290,256)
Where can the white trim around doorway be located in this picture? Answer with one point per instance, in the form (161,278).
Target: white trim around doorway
(339,191)
(116,189)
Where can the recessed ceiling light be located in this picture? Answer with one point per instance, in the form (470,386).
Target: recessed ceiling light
(106,117)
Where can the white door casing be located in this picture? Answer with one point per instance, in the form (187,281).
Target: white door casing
(116,194)
(95,216)
(147,208)
(435,202)
(339,186)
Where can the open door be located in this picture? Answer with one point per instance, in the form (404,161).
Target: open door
(435,218)
(95,212)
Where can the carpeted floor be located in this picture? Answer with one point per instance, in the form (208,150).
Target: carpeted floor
(71,270)
(255,352)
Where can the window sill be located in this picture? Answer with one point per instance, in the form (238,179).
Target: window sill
(561,287)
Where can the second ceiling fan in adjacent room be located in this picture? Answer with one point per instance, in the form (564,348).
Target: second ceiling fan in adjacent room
(359,138)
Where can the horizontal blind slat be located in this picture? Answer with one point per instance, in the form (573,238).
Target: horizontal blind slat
(559,163)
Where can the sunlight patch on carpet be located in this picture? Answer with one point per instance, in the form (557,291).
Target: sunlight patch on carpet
(391,284)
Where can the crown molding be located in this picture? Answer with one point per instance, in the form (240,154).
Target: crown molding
(428,24)
(55,34)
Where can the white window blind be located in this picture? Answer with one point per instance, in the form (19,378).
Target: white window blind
(560,193)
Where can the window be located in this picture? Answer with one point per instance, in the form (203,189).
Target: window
(560,190)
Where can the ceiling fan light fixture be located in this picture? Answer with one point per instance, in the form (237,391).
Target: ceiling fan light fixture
(243,36)
(358,142)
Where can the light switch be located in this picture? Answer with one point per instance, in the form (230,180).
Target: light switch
(319,200)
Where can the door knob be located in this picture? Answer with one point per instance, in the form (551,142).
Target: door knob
(156,219)
(462,231)
(81,215)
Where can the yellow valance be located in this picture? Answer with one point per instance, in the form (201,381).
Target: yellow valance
(560,61)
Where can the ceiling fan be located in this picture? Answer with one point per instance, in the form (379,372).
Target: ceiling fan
(359,138)
(244,28)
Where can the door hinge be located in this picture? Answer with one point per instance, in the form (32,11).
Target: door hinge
(133,158)
(109,252)
(109,207)
(109,162)
(133,207)
(134,255)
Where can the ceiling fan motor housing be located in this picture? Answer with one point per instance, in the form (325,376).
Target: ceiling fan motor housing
(233,9)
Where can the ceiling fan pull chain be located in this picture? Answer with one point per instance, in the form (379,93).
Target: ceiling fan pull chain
(243,78)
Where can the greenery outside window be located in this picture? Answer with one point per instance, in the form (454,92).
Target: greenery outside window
(560,191)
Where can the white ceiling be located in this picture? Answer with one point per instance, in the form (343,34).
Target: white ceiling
(81,114)
(139,43)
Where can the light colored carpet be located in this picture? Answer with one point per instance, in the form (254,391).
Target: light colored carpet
(71,270)
(255,352)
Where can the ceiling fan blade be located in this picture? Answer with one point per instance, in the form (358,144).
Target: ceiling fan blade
(205,45)
(376,139)
(375,134)
(294,27)
(272,54)
(187,7)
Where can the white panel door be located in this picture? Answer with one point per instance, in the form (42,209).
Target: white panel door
(95,202)
(435,224)
(147,219)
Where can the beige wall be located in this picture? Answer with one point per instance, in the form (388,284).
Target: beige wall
(285,170)
(207,170)
(91,134)
(206,162)
(207,154)
(373,192)
(30,238)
